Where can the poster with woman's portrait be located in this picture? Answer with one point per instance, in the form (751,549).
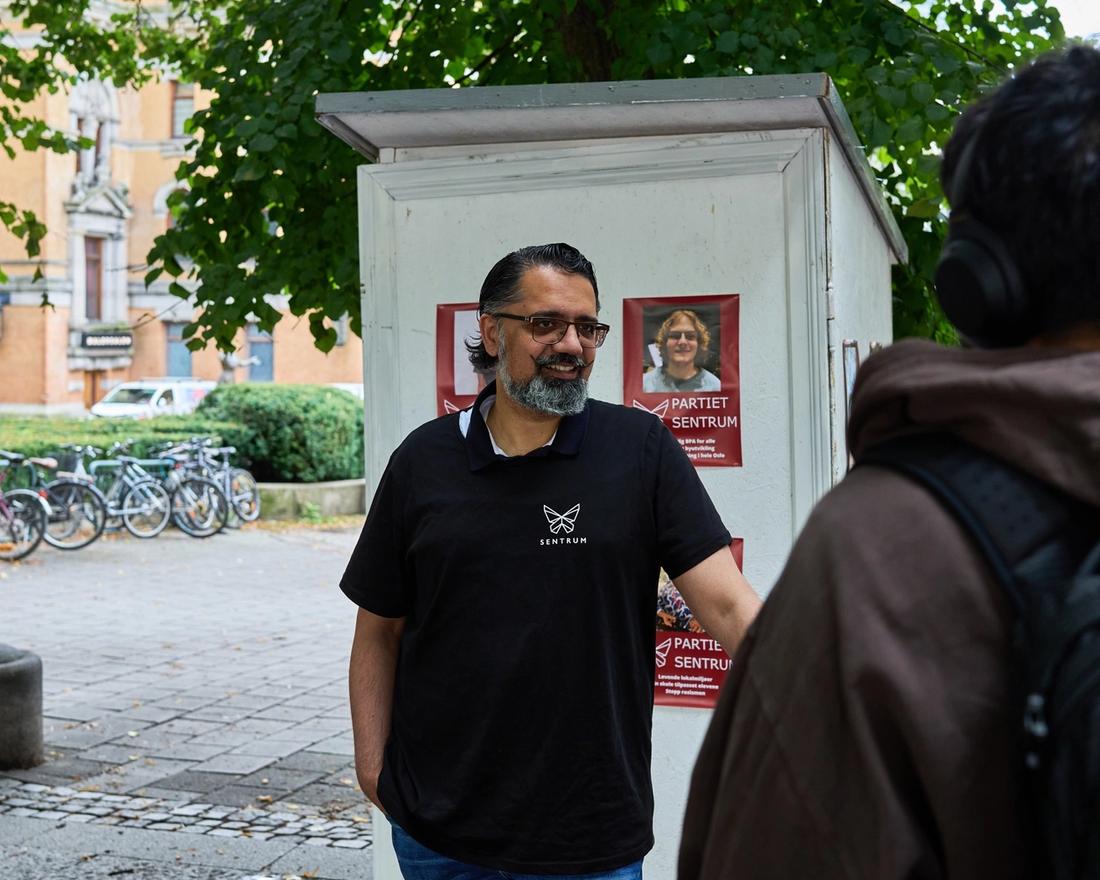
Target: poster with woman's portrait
(681,363)
(690,666)
(457,383)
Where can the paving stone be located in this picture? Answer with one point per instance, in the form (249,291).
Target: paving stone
(312,761)
(191,809)
(225,737)
(352,844)
(186,751)
(281,778)
(287,713)
(337,745)
(229,763)
(115,753)
(195,780)
(322,795)
(155,714)
(225,715)
(317,841)
(268,748)
(189,727)
(236,795)
(51,814)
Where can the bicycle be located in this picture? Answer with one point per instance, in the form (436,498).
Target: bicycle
(23,517)
(237,484)
(143,504)
(77,512)
(197,506)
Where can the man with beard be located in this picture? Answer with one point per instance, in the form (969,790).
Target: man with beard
(502,668)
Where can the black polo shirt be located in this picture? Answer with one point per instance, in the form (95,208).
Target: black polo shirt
(524,692)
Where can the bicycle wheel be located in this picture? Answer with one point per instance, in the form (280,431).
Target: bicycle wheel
(199,507)
(77,514)
(245,494)
(22,523)
(146,509)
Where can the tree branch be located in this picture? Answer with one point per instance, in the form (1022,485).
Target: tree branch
(491,57)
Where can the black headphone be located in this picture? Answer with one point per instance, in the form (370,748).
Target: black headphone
(978,283)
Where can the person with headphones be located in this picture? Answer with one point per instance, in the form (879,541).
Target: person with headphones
(869,726)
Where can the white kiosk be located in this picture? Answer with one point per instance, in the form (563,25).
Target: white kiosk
(751,190)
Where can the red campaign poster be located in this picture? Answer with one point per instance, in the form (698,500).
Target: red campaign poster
(691,666)
(457,383)
(681,363)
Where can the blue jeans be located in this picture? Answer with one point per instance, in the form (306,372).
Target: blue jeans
(420,863)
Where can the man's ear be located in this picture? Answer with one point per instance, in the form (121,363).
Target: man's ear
(489,327)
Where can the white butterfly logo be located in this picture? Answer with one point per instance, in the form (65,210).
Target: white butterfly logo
(449,407)
(659,410)
(662,652)
(561,522)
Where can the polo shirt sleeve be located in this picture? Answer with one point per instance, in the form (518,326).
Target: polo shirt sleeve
(689,528)
(374,578)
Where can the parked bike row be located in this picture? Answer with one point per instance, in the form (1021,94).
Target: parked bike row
(71,499)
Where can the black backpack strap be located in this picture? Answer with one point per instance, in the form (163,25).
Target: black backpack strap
(1030,533)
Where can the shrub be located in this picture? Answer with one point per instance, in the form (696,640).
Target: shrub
(294,433)
(44,436)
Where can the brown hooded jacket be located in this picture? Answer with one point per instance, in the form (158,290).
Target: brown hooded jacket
(868,728)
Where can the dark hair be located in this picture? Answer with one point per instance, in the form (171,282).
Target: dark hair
(1034,179)
(501,285)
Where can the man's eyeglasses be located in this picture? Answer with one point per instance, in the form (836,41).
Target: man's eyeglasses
(689,335)
(550,331)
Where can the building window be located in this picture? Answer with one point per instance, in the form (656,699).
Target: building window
(183,105)
(93,278)
(179,355)
(261,352)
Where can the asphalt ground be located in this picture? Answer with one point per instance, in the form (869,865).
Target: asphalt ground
(195,710)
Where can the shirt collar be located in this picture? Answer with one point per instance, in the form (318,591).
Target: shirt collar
(479,444)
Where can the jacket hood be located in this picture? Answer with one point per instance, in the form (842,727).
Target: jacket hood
(1038,408)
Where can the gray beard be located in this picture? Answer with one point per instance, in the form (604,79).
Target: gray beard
(557,397)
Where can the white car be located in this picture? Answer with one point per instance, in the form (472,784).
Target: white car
(153,397)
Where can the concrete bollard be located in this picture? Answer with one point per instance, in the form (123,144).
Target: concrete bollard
(20,709)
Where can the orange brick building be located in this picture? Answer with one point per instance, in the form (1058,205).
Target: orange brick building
(103,209)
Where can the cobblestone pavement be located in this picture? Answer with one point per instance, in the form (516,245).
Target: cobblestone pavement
(196,717)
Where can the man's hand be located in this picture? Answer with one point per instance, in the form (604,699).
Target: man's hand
(720,597)
(370,686)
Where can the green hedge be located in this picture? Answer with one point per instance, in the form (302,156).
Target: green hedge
(293,433)
(44,436)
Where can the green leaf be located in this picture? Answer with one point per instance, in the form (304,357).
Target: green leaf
(339,54)
(728,43)
(660,53)
(263,143)
(924,208)
(922,92)
(250,169)
(912,129)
